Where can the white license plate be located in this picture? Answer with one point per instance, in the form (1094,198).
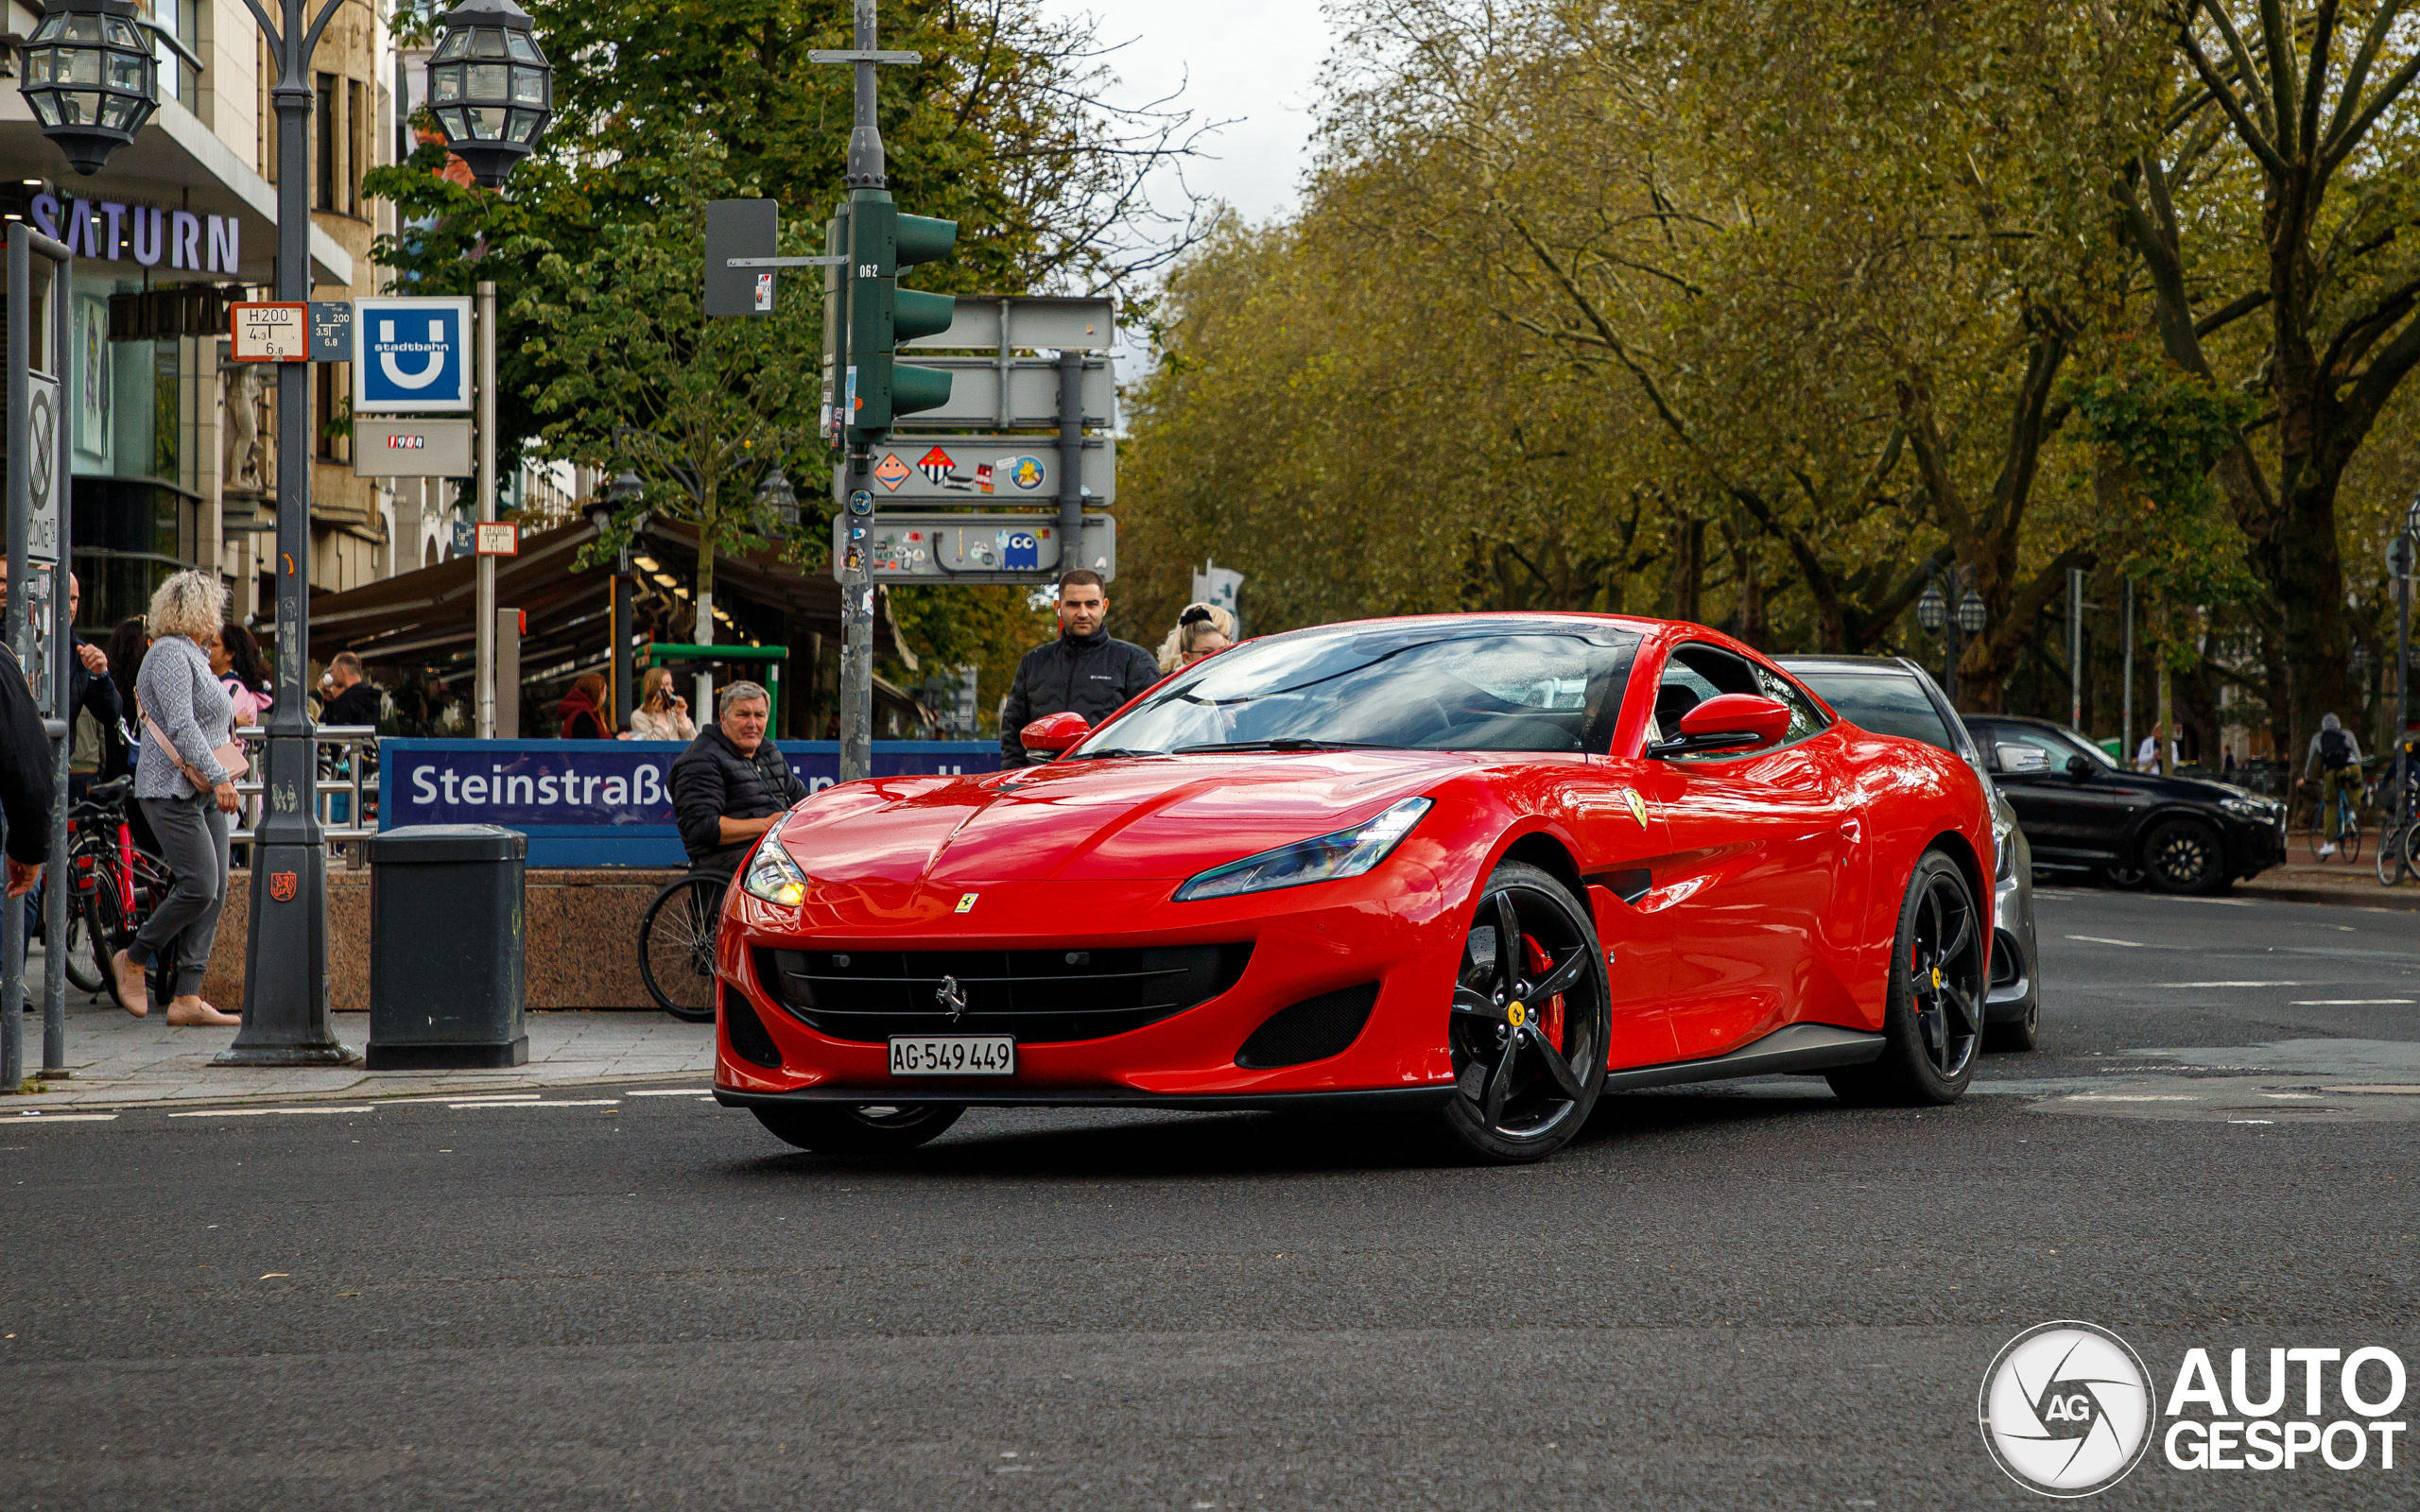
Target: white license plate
(953,1055)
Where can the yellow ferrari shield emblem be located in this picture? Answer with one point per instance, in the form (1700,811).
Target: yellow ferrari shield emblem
(1637,806)
(1516,1014)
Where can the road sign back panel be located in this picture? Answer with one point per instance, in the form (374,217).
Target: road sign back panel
(970,548)
(989,469)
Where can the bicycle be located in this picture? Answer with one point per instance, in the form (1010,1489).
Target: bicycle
(118,884)
(2398,836)
(2340,829)
(677,945)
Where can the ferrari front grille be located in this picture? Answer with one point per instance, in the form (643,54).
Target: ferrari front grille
(1040,996)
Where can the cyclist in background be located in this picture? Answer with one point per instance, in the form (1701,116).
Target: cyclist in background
(2336,756)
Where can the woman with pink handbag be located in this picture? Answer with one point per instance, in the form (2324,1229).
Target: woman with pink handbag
(187,785)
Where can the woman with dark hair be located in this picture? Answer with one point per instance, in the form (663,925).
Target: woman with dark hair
(128,643)
(237,661)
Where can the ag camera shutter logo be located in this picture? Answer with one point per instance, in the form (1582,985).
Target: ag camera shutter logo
(411,355)
(2066,1409)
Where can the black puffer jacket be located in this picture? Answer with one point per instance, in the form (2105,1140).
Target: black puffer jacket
(712,781)
(1090,674)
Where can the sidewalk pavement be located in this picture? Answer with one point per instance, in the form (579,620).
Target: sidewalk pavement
(119,1060)
(2347,885)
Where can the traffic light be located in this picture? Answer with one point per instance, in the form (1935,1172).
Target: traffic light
(878,387)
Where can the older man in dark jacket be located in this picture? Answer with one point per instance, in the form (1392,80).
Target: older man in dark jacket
(1084,670)
(731,784)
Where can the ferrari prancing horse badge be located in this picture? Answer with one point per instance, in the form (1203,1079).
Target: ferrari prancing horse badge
(1637,806)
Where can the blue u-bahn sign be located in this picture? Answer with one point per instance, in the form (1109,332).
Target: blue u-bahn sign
(601,802)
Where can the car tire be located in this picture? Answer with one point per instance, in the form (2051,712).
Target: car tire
(1932,1020)
(1520,1094)
(874,1129)
(2184,858)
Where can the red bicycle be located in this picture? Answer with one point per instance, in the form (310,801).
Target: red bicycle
(117,883)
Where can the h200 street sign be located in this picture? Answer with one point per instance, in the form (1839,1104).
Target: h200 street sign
(412,355)
(270,332)
(970,548)
(1015,469)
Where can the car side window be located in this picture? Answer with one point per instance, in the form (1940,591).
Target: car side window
(2018,749)
(1804,718)
(1695,673)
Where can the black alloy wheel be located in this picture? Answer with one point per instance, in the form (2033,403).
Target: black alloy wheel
(677,947)
(2184,856)
(1532,1016)
(1932,1026)
(874,1129)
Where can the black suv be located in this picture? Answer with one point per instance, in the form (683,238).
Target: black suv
(2081,809)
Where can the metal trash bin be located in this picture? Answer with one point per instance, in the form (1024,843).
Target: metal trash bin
(447,925)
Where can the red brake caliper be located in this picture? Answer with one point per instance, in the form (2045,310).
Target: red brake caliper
(1540,963)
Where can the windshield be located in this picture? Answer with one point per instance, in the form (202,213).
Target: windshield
(1527,685)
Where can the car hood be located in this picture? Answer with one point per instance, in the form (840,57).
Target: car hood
(1122,820)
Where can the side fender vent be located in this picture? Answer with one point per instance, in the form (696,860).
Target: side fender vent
(748,1040)
(1312,1029)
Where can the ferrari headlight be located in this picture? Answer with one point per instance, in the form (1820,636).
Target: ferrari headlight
(772,875)
(1345,853)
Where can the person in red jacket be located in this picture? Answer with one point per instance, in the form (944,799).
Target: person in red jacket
(583,709)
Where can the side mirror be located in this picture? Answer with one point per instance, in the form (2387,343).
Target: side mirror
(2017,761)
(1727,721)
(2079,768)
(1054,734)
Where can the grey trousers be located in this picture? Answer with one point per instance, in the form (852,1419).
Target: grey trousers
(193,839)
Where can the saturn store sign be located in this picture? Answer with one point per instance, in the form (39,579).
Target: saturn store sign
(110,230)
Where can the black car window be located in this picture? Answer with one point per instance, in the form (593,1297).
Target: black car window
(1885,704)
(1694,672)
(1806,719)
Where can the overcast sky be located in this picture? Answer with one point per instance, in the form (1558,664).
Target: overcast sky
(1250,62)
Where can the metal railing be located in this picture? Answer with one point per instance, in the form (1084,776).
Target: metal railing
(345,769)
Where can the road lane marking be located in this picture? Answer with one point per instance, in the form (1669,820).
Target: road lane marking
(676,1091)
(2343,1002)
(598,1102)
(62,1118)
(2095,939)
(2131,1097)
(255,1113)
(2181,985)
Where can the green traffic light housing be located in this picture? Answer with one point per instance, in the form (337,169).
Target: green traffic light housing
(877,388)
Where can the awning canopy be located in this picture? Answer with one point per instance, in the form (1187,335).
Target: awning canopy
(427,618)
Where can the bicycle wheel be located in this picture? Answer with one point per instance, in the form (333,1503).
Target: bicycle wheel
(677,948)
(2394,852)
(84,965)
(2351,844)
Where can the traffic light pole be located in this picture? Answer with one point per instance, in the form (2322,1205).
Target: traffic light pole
(866,177)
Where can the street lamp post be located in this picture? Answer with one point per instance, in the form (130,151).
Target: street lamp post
(627,490)
(286,952)
(1934,613)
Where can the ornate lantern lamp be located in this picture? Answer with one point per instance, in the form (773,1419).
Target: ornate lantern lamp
(91,78)
(492,90)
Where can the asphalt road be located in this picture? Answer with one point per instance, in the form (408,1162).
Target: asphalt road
(1746,1296)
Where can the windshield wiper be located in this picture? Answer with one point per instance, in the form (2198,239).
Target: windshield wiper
(1285,742)
(1116,751)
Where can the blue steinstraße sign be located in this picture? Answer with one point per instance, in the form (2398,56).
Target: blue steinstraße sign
(413,354)
(601,802)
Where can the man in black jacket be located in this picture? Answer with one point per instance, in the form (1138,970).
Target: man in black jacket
(1084,670)
(731,784)
(26,784)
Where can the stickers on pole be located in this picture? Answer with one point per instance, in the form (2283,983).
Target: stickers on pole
(270,332)
(969,548)
(412,355)
(976,469)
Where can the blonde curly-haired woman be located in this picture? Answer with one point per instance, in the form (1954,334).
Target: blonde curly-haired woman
(185,793)
(1202,630)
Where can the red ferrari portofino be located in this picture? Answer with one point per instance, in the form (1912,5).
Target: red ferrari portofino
(1482,866)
